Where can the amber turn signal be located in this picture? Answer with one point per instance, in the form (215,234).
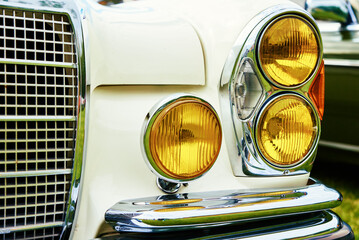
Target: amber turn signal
(183,139)
(286,130)
(316,91)
(289,51)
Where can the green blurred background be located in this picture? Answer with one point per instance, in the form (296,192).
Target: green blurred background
(342,176)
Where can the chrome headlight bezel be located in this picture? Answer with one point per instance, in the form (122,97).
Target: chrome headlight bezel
(245,157)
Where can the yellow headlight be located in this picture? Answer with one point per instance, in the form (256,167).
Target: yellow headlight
(286,130)
(289,51)
(184,139)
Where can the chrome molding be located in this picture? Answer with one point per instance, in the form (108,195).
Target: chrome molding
(35,173)
(340,146)
(240,134)
(148,122)
(30,227)
(38,63)
(209,209)
(71,10)
(341,62)
(36,118)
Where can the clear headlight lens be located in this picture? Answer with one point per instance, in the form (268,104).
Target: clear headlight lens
(286,130)
(184,139)
(289,51)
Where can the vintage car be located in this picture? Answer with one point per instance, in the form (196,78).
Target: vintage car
(161,119)
(338,23)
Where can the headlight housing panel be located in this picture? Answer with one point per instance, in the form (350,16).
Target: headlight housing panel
(276,132)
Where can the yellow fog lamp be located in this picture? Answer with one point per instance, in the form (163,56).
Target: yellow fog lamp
(182,139)
(289,51)
(286,130)
(246,90)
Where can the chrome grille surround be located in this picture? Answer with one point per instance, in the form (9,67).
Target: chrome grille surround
(42,110)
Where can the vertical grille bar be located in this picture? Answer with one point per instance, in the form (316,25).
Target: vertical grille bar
(38,120)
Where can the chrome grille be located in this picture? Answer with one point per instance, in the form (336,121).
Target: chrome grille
(38,107)
(36,36)
(37,91)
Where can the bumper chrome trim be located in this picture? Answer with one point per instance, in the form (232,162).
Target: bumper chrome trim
(318,225)
(198,210)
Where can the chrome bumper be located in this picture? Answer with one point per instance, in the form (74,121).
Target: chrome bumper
(317,225)
(202,210)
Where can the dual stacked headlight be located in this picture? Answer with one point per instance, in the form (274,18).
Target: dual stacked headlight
(276,90)
(287,127)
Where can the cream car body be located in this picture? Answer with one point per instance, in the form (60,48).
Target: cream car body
(147,67)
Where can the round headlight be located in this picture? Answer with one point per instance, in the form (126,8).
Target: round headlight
(286,130)
(289,51)
(183,139)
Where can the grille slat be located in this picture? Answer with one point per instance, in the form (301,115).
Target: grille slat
(35,173)
(38,114)
(26,62)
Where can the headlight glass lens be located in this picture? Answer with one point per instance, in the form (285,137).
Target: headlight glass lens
(286,130)
(185,139)
(289,51)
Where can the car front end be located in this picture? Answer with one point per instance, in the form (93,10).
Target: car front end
(158,119)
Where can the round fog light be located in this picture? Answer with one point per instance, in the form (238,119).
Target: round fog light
(183,139)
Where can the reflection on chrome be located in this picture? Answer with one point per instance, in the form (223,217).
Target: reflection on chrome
(193,210)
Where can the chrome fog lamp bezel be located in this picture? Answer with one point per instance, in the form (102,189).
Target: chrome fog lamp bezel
(245,158)
(320,49)
(145,134)
(310,152)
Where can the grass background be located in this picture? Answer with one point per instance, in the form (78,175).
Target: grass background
(343,176)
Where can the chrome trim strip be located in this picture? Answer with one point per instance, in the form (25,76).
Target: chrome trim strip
(341,146)
(341,62)
(38,63)
(240,135)
(82,113)
(30,227)
(35,173)
(36,118)
(196,210)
